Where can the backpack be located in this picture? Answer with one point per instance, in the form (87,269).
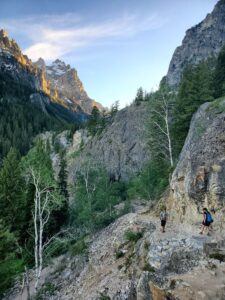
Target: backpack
(163,216)
(209,218)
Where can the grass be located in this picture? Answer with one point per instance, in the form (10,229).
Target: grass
(146,245)
(128,261)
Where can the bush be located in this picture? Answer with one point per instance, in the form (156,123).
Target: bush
(119,254)
(96,209)
(218,256)
(148,267)
(103,296)
(57,247)
(79,248)
(133,236)
(48,289)
(9,270)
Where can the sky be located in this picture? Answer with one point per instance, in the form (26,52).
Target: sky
(116,46)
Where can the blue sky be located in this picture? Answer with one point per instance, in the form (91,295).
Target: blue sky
(115,45)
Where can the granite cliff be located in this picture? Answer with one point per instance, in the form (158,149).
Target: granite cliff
(201,41)
(198,179)
(121,148)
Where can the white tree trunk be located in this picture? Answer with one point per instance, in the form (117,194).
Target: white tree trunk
(168,136)
(40,216)
(163,128)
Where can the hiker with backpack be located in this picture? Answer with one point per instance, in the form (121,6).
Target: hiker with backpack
(207,220)
(163,218)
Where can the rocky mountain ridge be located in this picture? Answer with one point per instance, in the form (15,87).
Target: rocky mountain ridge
(200,42)
(66,86)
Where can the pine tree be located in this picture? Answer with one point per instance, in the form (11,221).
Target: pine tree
(63,175)
(219,78)
(12,196)
(94,120)
(195,89)
(139,96)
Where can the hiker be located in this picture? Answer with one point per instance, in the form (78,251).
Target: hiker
(163,218)
(207,220)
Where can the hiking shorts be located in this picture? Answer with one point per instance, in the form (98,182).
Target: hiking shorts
(206,223)
(163,223)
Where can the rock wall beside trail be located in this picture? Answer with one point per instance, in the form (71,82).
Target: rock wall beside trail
(199,178)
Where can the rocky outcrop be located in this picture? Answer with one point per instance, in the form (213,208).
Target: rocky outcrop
(157,266)
(121,149)
(201,41)
(198,179)
(65,86)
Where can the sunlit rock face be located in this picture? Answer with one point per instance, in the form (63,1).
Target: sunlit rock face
(16,69)
(66,87)
(201,41)
(18,66)
(58,81)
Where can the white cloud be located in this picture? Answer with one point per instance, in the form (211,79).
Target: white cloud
(53,36)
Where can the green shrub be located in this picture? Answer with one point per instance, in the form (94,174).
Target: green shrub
(57,248)
(128,261)
(103,296)
(146,245)
(48,289)
(133,236)
(80,247)
(61,267)
(148,267)
(218,256)
(96,209)
(119,254)
(9,270)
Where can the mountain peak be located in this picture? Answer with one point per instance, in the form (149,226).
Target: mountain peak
(57,69)
(40,63)
(3,34)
